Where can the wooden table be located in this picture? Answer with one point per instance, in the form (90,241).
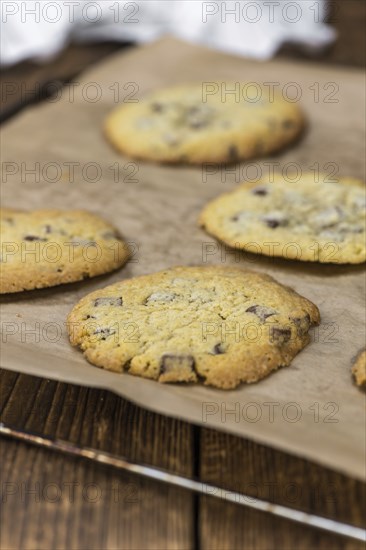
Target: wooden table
(53,501)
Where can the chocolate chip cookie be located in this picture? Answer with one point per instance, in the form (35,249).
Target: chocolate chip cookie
(220,325)
(44,248)
(304,220)
(195,124)
(359,369)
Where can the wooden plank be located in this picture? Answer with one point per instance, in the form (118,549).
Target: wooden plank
(54,501)
(261,472)
(348,18)
(29,82)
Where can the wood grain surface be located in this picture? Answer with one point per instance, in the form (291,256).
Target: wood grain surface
(261,472)
(55,501)
(348,19)
(52,501)
(29,82)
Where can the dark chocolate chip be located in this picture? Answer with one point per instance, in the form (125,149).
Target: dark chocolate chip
(196,124)
(302,324)
(32,238)
(233,153)
(90,317)
(261,312)
(281,335)
(287,124)
(126,364)
(105,332)
(299,320)
(218,349)
(157,107)
(272,223)
(108,302)
(170,363)
(48,228)
(262,191)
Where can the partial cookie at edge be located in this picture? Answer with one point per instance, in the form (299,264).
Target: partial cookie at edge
(359,369)
(304,219)
(45,248)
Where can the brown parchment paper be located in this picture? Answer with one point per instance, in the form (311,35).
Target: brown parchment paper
(312,408)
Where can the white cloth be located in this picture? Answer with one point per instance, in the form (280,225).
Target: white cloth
(40,29)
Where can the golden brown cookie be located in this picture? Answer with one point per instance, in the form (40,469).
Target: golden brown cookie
(44,248)
(190,124)
(303,220)
(220,325)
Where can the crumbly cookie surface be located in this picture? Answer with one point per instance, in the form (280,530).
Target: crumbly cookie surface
(44,248)
(186,125)
(304,220)
(359,369)
(220,325)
